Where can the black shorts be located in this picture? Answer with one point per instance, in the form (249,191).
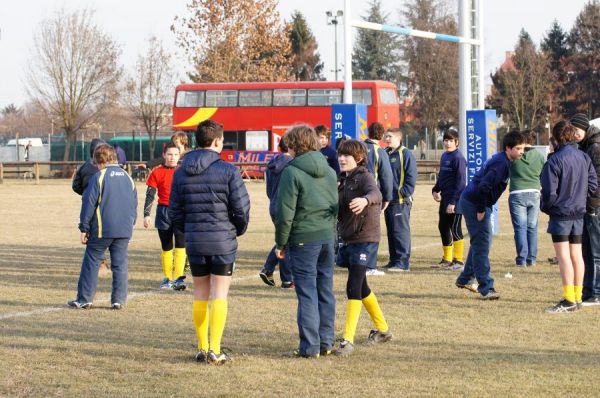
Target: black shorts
(222,265)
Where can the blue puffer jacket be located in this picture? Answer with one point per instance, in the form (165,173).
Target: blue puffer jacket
(568,178)
(209,201)
(272,175)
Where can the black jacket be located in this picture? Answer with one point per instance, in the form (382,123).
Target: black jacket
(591,146)
(86,170)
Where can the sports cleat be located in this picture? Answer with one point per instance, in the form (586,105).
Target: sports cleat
(344,349)
(472,287)
(296,354)
(374,272)
(325,353)
(179,284)
(165,284)
(457,265)
(492,294)
(562,306)
(443,264)
(588,302)
(287,285)
(116,306)
(217,359)
(78,305)
(267,277)
(201,356)
(376,337)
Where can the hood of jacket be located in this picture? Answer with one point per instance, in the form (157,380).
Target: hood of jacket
(592,136)
(312,163)
(196,162)
(278,163)
(95,142)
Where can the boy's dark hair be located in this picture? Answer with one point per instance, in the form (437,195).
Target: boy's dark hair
(207,132)
(282,145)
(512,139)
(376,131)
(451,134)
(564,132)
(182,138)
(170,145)
(354,148)
(301,139)
(529,136)
(321,129)
(104,154)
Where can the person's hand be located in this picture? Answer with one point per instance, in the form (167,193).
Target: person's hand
(146,222)
(280,254)
(385,206)
(450,209)
(84,238)
(437,196)
(357,205)
(480,216)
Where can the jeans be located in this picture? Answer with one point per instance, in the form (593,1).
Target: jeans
(397,221)
(478,261)
(271,262)
(312,269)
(591,255)
(524,209)
(94,254)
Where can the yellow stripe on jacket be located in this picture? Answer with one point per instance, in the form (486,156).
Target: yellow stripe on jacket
(98,214)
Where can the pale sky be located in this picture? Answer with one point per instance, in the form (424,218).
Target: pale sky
(131,22)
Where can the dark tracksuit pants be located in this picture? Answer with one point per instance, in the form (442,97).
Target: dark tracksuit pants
(397,221)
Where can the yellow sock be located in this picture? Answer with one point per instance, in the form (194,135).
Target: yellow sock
(458,249)
(353,308)
(447,253)
(166,259)
(200,317)
(179,261)
(569,293)
(372,306)
(218,316)
(578,293)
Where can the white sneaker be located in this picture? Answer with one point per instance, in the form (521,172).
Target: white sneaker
(375,272)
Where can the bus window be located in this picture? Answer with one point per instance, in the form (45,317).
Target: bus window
(289,97)
(256,97)
(234,140)
(324,97)
(257,140)
(362,96)
(387,96)
(189,99)
(217,98)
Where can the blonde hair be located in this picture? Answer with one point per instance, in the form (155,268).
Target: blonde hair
(104,154)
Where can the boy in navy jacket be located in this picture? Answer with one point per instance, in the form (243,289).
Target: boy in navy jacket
(108,214)
(475,205)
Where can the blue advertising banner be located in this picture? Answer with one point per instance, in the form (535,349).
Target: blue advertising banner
(348,121)
(482,141)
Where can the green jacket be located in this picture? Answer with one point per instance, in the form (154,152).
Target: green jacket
(307,201)
(525,173)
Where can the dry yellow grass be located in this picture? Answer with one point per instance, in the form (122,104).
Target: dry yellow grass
(446,342)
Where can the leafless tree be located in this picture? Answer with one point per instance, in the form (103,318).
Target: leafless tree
(74,70)
(150,91)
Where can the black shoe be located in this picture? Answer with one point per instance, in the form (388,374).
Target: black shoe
(591,301)
(267,277)
(80,306)
(562,306)
(472,287)
(116,306)
(287,285)
(492,294)
(376,337)
(201,356)
(444,264)
(179,284)
(296,354)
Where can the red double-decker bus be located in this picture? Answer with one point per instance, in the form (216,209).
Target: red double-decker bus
(256,115)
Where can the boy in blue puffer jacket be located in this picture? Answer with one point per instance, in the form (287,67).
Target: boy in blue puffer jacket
(272,174)
(210,203)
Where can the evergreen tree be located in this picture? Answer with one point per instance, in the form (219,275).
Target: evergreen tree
(376,54)
(307,63)
(555,46)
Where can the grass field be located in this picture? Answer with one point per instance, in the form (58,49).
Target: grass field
(446,342)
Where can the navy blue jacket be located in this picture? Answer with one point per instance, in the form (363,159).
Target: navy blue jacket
(332,158)
(404,171)
(489,182)
(210,203)
(109,205)
(272,175)
(86,170)
(452,179)
(568,178)
(378,164)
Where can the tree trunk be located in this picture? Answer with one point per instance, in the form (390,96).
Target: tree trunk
(151,144)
